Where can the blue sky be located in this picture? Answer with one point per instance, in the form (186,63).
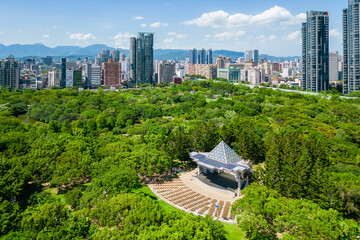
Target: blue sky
(272,26)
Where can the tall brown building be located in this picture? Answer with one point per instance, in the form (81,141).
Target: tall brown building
(111,74)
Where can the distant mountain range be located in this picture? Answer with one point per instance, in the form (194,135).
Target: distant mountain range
(40,50)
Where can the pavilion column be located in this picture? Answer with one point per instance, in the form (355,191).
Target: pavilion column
(199,170)
(239,180)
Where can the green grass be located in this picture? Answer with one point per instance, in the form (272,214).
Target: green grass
(233,232)
(55,195)
(146,190)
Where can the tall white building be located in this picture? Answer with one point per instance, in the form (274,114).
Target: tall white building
(334,66)
(95,76)
(69,78)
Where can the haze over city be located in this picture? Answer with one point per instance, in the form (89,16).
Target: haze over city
(273,27)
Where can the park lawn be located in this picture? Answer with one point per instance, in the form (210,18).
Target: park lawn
(233,232)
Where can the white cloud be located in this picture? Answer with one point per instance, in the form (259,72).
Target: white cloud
(208,35)
(182,36)
(81,36)
(138,18)
(169,40)
(122,40)
(221,19)
(174,34)
(228,35)
(293,36)
(143,25)
(54,27)
(264,38)
(45,36)
(335,33)
(158,24)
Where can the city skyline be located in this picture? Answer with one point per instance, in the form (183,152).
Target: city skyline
(273,27)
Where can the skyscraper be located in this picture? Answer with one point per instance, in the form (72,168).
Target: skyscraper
(141,59)
(9,73)
(202,56)
(334,66)
(351,28)
(193,56)
(315,50)
(63,73)
(209,56)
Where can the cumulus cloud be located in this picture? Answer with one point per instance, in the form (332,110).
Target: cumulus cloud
(158,24)
(138,18)
(143,25)
(221,19)
(227,35)
(293,36)
(45,36)
(172,33)
(122,40)
(335,33)
(54,27)
(81,36)
(169,40)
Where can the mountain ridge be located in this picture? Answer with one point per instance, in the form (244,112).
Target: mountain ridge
(40,50)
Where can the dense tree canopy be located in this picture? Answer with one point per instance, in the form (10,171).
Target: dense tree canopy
(69,166)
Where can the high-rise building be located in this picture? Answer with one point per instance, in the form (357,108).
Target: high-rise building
(87,74)
(166,72)
(334,66)
(9,73)
(122,57)
(95,76)
(54,78)
(209,56)
(252,56)
(63,73)
(351,28)
(69,78)
(111,74)
(315,51)
(115,55)
(202,55)
(220,62)
(141,59)
(193,56)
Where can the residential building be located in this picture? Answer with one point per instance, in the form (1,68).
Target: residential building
(202,56)
(115,55)
(334,66)
(111,73)
(166,72)
(209,56)
(193,56)
(10,72)
(220,62)
(206,70)
(315,48)
(351,43)
(141,59)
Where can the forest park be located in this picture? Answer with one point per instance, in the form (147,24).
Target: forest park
(75,171)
